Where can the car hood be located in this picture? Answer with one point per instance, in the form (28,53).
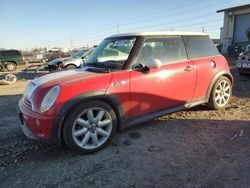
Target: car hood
(65,59)
(61,78)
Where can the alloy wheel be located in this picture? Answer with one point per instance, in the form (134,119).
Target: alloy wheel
(222,93)
(10,67)
(92,128)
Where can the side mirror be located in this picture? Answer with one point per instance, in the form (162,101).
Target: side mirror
(154,63)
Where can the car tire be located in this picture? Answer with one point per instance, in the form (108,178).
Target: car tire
(221,94)
(60,66)
(89,127)
(10,66)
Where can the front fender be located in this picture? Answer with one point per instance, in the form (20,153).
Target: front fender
(65,109)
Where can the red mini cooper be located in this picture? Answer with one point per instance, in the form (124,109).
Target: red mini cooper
(128,79)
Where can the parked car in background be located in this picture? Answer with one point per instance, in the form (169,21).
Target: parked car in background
(50,56)
(236,49)
(128,79)
(34,57)
(10,59)
(75,60)
(243,61)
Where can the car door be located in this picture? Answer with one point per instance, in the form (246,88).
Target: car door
(203,53)
(171,85)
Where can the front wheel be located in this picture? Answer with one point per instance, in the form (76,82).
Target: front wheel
(221,94)
(89,127)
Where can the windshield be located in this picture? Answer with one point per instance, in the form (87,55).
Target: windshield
(79,54)
(112,53)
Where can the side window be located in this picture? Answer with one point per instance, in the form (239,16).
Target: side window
(199,46)
(168,50)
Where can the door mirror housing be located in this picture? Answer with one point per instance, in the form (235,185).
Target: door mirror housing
(154,63)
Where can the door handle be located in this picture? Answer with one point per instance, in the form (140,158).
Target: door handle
(189,68)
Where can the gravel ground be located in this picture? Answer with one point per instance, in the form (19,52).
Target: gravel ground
(193,148)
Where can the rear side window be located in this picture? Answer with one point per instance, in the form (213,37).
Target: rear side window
(199,46)
(168,50)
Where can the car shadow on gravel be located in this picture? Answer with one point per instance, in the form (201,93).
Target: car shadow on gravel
(165,147)
(26,75)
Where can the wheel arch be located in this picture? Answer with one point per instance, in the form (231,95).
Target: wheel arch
(215,78)
(65,109)
(71,64)
(6,62)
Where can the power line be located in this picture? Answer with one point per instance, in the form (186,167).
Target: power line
(71,41)
(174,9)
(156,15)
(162,11)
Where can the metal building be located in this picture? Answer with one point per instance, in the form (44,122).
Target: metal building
(236,24)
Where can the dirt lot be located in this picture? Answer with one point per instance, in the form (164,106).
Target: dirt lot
(193,148)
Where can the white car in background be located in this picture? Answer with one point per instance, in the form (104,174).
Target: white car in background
(75,60)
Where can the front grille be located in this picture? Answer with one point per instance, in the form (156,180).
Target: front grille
(27,102)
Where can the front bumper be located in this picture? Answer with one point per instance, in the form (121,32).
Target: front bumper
(36,126)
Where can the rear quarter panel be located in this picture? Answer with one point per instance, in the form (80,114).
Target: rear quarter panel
(205,73)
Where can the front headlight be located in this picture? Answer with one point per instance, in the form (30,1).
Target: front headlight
(50,98)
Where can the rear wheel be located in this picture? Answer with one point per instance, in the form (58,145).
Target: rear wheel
(221,94)
(10,66)
(89,127)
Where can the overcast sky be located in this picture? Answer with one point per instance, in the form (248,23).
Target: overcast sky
(25,24)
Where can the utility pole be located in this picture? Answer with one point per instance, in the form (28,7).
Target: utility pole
(203,29)
(118,27)
(71,41)
(48,44)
